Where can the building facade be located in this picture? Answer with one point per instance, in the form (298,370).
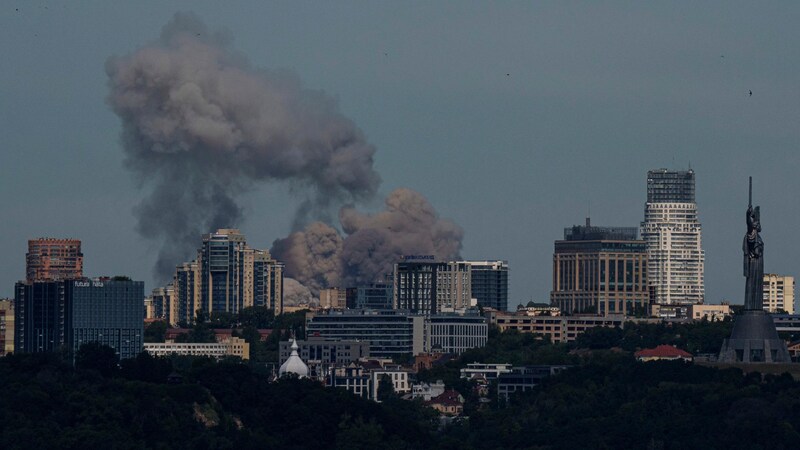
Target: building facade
(378,295)
(490,283)
(231,346)
(600,270)
(335,298)
(319,350)
(672,231)
(778,293)
(225,269)
(432,287)
(557,329)
(6,327)
(186,292)
(51,259)
(267,281)
(108,311)
(455,333)
(55,316)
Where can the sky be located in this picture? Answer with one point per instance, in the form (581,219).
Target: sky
(514,119)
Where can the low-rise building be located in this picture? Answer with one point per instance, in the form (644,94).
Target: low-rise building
(662,352)
(427,391)
(351,377)
(320,350)
(488,371)
(397,376)
(557,329)
(456,333)
(778,293)
(712,313)
(233,346)
(524,378)
(449,403)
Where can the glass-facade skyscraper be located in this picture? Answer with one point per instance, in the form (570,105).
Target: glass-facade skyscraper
(490,283)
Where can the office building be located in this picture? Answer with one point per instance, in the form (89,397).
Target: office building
(398,377)
(319,350)
(6,327)
(108,311)
(778,293)
(352,377)
(600,270)
(490,283)
(672,231)
(379,295)
(333,298)
(400,333)
(486,371)
(524,378)
(426,287)
(389,333)
(40,317)
(62,315)
(454,333)
(231,346)
(51,259)
(556,329)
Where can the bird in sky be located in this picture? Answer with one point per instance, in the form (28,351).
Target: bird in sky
(751,93)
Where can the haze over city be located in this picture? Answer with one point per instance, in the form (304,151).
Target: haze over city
(513,121)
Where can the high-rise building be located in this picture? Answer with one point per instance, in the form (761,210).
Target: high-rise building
(672,231)
(224,266)
(335,298)
(62,315)
(108,311)
(186,287)
(40,316)
(490,283)
(227,276)
(51,259)
(600,270)
(432,287)
(6,327)
(778,293)
(267,281)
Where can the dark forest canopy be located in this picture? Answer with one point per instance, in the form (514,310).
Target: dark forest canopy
(608,400)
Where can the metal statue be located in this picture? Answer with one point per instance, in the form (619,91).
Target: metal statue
(753,248)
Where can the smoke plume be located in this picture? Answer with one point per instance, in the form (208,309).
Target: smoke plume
(200,126)
(319,257)
(295,294)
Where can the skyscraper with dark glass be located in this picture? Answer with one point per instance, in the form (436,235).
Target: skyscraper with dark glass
(62,315)
(223,264)
(490,283)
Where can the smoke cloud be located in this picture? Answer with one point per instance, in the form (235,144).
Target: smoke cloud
(319,257)
(295,294)
(200,126)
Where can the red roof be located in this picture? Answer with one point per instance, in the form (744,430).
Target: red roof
(447,398)
(663,351)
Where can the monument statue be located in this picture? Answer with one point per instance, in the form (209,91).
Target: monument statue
(754,338)
(753,248)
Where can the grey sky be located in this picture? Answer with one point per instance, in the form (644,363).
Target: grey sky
(595,96)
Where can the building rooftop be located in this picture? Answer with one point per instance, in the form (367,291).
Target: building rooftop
(663,351)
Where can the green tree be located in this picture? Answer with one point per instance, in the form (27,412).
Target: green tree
(156,331)
(97,356)
(385,388)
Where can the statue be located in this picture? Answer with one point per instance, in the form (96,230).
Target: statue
(753,248)
(754,338)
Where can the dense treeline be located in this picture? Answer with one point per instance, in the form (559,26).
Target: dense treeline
(607,400)
(48,404)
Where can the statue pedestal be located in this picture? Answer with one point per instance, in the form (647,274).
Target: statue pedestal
(754,340)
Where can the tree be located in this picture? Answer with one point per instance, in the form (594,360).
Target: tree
(385,388)
(156,332)
(97,356)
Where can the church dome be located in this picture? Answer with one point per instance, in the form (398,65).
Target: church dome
(294,365)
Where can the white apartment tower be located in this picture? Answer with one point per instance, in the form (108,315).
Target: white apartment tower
(778,293)
(672,232)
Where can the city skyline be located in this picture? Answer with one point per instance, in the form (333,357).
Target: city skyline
(536,134)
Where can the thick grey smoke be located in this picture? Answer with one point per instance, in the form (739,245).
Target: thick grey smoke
(295,294)
(201,125)
(319,257)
